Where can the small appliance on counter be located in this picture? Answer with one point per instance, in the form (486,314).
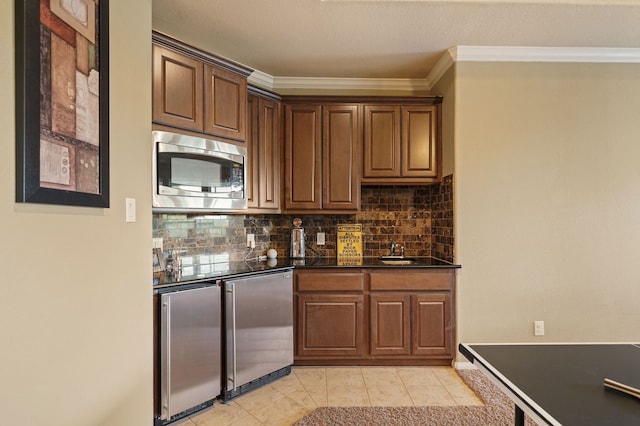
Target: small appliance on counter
(297,240)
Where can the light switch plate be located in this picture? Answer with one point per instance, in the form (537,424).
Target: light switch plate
(320,238)
(130,208)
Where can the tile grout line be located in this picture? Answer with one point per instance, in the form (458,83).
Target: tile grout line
(326,392)
(448,391)
(366,388)
(406,389)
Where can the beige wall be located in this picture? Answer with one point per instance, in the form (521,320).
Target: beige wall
(75,316)
(548,201)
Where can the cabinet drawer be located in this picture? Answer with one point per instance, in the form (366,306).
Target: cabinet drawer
(321,282)
(397,280)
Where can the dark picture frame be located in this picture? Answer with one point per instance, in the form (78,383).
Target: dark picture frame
(62,102)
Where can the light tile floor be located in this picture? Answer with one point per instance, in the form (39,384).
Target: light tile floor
(292,397)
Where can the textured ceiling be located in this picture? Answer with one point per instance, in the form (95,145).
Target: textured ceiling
(386,38)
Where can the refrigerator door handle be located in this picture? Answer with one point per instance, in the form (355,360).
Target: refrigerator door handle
(166,359)
(231,297)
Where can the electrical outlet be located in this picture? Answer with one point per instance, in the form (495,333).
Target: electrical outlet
(157,243)
(538,328)
(320,238)
(251,240)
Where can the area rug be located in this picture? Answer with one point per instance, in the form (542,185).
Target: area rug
(498,410)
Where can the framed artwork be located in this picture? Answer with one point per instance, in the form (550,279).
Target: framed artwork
(158,261)
(62,102)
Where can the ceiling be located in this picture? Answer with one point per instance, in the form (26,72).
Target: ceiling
(386,39)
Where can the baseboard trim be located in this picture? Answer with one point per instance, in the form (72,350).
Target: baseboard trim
(464,365)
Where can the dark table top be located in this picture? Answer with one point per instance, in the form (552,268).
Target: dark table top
(563,383)
(211,271)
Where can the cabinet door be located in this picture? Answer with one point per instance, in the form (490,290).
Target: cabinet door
(302,157)
(252,161)
(381,141)
(225,103)
(263,159)
(177,90)
(340,145)
(431,324)
(419,141)
(269,153)
(330,325)
(389,321)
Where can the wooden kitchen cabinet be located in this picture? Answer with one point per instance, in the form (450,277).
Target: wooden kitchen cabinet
(390,324)
(264,153)
(329,315)
(330,325)
(381,316)
(302,157)
(410,323)
(381,141)
(225,103)
(177,89)
(431,323)
(424,300)
(322,144)
(198,91)
(401,144)
(340,157)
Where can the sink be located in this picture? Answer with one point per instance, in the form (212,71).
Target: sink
(397,260)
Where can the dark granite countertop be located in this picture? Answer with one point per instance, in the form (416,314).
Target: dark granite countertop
(370,262)
(211,272)
(202,274)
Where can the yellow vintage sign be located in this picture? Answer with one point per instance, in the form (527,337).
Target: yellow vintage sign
(349,245)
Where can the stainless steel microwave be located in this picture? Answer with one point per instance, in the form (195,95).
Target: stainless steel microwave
(197,174)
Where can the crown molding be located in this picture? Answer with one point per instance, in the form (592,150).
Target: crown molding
(544,54)
(261,79)
(322,83)
(448,58)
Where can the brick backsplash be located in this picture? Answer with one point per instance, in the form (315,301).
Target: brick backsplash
(420,218)
(442,220)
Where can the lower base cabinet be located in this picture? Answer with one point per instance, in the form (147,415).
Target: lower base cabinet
(432,323)
(390,323)
(331,325)
(374,317)
(329,312)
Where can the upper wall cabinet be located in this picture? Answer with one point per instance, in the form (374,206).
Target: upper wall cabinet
(401,144)
(225,103)
(264,151)
(177,90)
(322,160)
(198,91)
